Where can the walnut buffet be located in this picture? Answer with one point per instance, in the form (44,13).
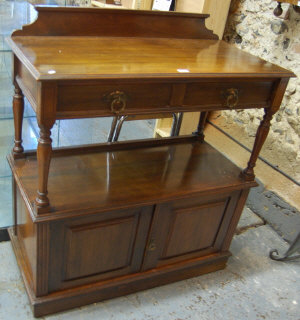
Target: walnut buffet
(99,221)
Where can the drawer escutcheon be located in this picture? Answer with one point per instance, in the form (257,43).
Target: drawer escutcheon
(231,97)
(117,100)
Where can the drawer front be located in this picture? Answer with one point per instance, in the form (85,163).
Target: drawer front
(87,99)
(228,95)
(108,99)
(100,247)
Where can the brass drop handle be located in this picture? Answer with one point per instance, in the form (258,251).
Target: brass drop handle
(117,101)
(151,246)
(231,98)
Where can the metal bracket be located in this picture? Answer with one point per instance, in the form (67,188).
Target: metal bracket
(289,255)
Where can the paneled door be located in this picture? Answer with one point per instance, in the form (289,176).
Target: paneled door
(98,247)
(188,228)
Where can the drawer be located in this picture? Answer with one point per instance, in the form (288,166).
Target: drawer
(107,99)
(228,95)
(76,99)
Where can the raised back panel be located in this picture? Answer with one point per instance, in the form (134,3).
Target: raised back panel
(116,23)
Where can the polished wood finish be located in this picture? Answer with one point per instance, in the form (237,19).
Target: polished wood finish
(46,119)
(99,221)
(116,242)
(62,58)
(43,156)
(96,179)
(14,206)
(165,209)
(218,11)
(264,128)
(76,297)
(58,68)
(18,110)
(195,227)
(116,23)
(79,98)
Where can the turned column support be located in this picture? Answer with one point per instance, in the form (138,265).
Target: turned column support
(18,110)
(260,139)
(44,151)
(264,127)
(46,112)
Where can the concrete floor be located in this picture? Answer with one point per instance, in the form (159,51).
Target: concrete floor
(252,286)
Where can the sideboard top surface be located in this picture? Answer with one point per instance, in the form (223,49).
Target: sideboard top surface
(70,58)
(115,179)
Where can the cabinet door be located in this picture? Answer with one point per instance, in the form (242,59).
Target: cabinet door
(97,247)
(188,228)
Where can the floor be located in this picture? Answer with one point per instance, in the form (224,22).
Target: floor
(251,287)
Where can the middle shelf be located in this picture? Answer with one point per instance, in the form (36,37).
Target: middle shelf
(114,178)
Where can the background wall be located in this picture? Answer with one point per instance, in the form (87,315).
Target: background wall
(252,27)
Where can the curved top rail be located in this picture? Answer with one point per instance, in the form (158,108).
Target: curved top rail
(74,21)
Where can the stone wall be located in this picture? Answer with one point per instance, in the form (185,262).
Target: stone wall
(252,27)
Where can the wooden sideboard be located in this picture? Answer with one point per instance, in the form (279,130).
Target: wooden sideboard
(99,221)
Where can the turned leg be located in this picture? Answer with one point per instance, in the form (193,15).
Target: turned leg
(44,150)
(260,139)
(18,109)
(201,125)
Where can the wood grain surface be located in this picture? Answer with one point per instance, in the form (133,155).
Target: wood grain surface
(110,180)
(101,221)
(55,58)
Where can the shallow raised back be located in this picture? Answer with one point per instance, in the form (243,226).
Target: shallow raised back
(74,21)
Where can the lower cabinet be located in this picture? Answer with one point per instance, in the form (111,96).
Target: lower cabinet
(108,245)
